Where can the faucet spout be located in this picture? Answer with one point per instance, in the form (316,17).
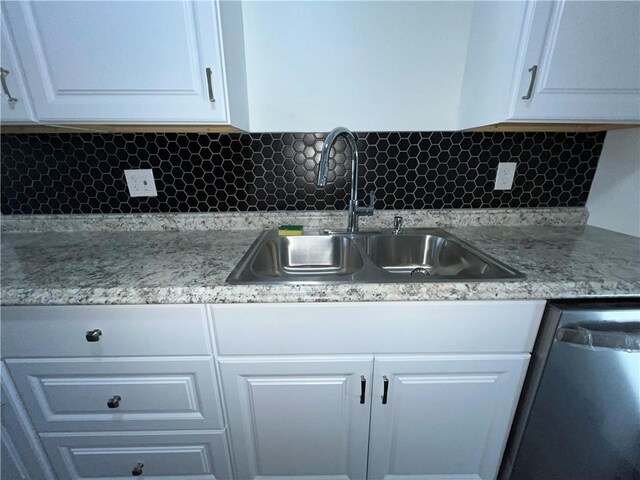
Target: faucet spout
(332,136)
(323,173)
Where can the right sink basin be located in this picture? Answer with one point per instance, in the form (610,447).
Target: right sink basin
(430,254)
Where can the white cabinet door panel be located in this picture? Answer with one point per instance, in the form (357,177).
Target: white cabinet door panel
(298,417)
(588,59)
(22,455)
(445,416)
(121,61)
(155,393)
(19,111)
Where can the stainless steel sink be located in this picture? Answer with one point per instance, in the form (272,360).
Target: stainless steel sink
(416,255)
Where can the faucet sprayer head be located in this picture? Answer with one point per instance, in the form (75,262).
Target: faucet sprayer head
(323,169)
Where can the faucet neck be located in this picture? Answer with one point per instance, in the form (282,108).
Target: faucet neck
(329,140)
(323,170)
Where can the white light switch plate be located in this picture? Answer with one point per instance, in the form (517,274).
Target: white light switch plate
(504,177)
(141,183)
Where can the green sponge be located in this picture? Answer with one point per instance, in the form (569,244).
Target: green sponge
(287,230)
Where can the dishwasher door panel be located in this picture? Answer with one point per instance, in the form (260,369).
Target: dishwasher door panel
(584,418)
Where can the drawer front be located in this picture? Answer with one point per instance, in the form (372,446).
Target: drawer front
(377,327)
(193,456)
(126,330)
(119,394)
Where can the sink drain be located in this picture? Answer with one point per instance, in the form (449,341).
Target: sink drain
(420,271)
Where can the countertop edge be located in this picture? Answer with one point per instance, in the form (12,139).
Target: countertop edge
(315,294)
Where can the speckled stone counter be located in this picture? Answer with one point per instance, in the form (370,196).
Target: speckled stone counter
(133,267)
(310,219)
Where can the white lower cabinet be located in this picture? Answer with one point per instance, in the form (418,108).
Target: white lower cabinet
(334,391)
(115,391)
(299,417)
(452,373)
(443,416)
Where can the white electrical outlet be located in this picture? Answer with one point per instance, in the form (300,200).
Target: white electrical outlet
(141,183)
(504,176)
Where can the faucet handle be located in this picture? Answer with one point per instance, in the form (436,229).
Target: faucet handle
(366,210)
(372,200)
(369,209)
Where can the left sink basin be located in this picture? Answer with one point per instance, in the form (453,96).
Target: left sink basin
(305,257)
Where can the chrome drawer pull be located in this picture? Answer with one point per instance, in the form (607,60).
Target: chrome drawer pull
(93,335)
(10,100)
(533,70)
(363,388)
(385,383)
(137,470)
(114,402)
(212,99)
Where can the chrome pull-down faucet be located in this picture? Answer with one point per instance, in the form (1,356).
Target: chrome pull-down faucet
(323,171)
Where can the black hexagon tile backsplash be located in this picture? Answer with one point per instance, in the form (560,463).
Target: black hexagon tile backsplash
(84,173)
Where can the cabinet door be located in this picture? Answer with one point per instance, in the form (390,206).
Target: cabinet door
(300,417)
(121,61)
(19,109)
(588,62)
(444,417)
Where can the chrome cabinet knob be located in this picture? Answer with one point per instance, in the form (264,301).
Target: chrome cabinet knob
(114,402)
(137,470)
(93,335)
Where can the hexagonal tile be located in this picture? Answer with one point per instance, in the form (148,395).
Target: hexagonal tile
(83,173)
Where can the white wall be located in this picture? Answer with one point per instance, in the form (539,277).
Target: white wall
(387,48)
(614,199)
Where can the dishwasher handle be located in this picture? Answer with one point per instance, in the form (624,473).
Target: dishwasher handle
(613,336)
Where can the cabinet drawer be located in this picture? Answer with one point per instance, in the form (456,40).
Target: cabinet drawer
(202,455)
(508,326)
(126,330)
(155,394)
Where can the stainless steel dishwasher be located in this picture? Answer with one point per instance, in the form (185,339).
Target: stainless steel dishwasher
(579,414)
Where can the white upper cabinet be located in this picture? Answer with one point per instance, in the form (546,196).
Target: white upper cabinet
(553,61)
(310,66)
(587,57)
(129,61)
(15,105)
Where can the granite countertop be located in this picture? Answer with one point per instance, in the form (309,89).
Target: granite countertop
(133,267)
